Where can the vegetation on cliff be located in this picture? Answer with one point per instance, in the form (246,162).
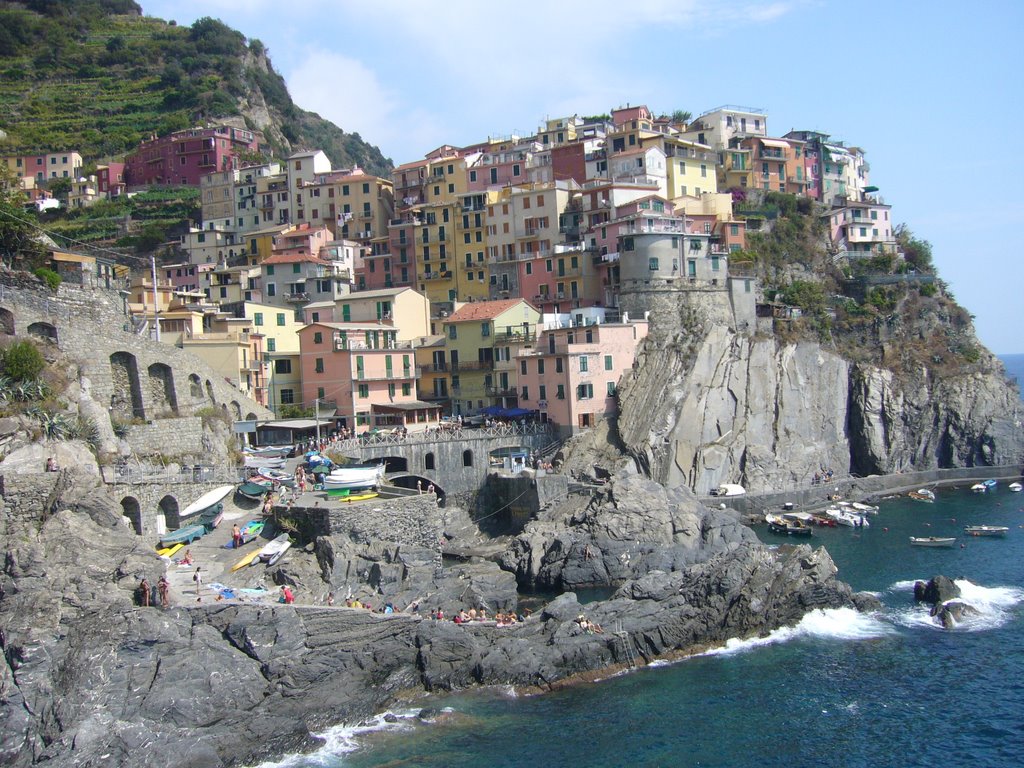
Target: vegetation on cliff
(97,76)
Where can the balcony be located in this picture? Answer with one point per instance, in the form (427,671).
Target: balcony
(406,374)
(473,365)
(436,276)
(502,392)
(435,368)
(297,298)
(514,337)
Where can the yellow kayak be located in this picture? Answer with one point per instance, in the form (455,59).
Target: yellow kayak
(168,551)
(360,497)
(245,560)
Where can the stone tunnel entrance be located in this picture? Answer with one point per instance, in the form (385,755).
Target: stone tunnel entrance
(132,513)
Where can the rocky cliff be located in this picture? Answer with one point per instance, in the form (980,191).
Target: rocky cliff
(734,407)
(88,678)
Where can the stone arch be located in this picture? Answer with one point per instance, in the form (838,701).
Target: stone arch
(236,410)
(126,393)
(428,461)
(467,458)
(250,416)
(44,331)
(161,387)
(6,321)
(418,482)
(195,387)
(209,392)
(169,514)
(392,463)
(132,513)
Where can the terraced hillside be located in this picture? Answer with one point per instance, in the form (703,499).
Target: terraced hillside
(98,76)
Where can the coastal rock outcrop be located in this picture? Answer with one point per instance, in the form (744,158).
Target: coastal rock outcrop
(634,527)
(88,677)
(730,407)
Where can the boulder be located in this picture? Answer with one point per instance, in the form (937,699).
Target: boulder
(936,590)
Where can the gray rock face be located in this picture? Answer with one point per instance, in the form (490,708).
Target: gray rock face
(733,408)
(637,527)
(88,678)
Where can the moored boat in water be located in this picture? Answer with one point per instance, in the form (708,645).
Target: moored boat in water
(986,530)
(922,494)
(1015,487)
(932,541)
(787,526)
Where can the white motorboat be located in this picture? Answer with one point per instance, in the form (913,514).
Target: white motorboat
(979,488)
(922,494)
(354,477)
(849,519)
(986,530)
(206,501)
(273,550)
(260,462)
(1015,487)
(932,541)
(857,508)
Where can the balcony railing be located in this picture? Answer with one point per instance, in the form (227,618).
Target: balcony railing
(360,345)
(502,392)
(403,375)
(473,365)
(297,298)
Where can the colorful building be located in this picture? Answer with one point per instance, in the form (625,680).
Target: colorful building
(184,157)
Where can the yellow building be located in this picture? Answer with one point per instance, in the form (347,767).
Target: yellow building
(479,337)
(233,348)
(692,168)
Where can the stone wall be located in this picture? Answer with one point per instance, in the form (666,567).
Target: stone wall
(28,498)
(412,520)
(171,437)
(514,500)
(131,375)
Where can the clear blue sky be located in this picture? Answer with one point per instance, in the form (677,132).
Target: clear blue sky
(931,91)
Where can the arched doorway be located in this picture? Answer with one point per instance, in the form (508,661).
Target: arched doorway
(132,514)
(126,392)
(195,388)
(44,331)
(168,519)
(161,388)
(6,321)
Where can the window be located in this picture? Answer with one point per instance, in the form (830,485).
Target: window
(526,394)
(280,318)
(318,337)
(452,332)
(287,396)
(584,364)
(270,269)
(296,268)
(543,394)
(560,392)
(467,458)
(282,366)
(364,390)
(529,267)
(257,318)
(584,391)
(608,362)
(627,244)
(540,368)
(271,345)
(406,389)
(428,461)
(319,365)
(485,329)
(558,365)
(652,263)
(522,367)
(611,389)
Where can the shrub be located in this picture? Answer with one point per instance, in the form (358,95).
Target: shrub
(22,361)
(48,276)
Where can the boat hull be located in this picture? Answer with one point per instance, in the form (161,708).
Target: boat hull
(932,541)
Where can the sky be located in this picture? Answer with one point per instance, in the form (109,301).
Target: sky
(927,89)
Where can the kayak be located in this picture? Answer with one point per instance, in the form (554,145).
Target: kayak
(247,560)
(168,551)
(358,497)
(277,556)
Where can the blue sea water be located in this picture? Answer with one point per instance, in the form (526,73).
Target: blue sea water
(841,688)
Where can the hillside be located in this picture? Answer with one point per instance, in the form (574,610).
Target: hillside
(99,77)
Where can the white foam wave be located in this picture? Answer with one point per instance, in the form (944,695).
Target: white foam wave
(901,586)
(992,608)
(834,623)
(342,739)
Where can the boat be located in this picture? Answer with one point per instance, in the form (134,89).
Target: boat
(250,531)
(787,527)
(272,548)
(211,518)
(729,489)
(990,485)
(1015,487)
(864,509)
(275,476)
(932,541)
(206,501)
(354,478)
(849,519)
(255,462)
(358,497)
(169,551)
(254,491)
(185,535)
(922,494)
(247,560)
(279,554)
(986,530)
(979,488)
(269,451)
(819,518)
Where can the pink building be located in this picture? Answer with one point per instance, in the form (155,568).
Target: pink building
(366,373)
(185,276)
(110,179)
(184,156)
(304,240)
(570,375)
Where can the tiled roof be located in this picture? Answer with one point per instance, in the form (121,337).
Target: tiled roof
(484,310)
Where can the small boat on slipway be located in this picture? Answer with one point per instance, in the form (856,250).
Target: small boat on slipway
(1015,487)
(922,494)
(986,530)
(932,541)
(273,550)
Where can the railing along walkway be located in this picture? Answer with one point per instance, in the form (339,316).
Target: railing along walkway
(438,435)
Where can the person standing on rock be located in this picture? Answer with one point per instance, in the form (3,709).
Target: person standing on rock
(163,588)
(197,577)
(144,593)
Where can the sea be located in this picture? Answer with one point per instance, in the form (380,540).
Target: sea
(1015,369)
(838,689)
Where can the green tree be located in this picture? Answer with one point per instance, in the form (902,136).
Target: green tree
(22,361)
(681,116)
(18,230)
(810,297)
(48,276)
(918,253)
